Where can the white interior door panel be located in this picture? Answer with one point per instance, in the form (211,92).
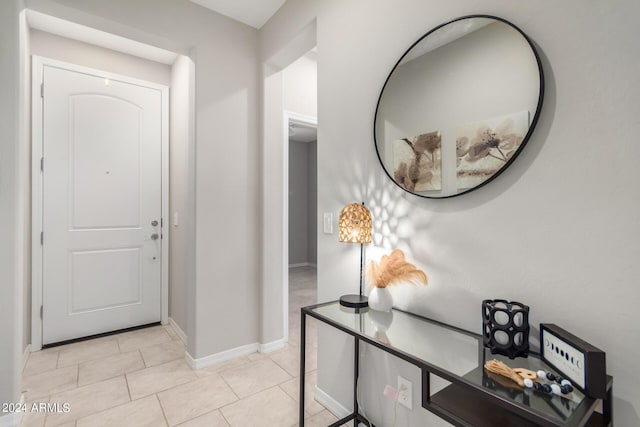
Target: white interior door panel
(102,195)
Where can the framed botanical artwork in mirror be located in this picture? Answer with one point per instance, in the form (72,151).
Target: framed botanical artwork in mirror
(458,106)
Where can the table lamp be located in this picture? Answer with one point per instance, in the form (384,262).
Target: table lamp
(354,226)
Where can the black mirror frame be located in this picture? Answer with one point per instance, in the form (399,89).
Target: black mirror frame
(534,121)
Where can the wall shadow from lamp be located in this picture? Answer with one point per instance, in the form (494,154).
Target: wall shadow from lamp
(355,226)
(401,221)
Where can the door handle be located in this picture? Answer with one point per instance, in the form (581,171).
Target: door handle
(155,236)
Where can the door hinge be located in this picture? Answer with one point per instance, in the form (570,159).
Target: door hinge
(41,311)
(42,164)
(161,222)
(41,90)
(42,237)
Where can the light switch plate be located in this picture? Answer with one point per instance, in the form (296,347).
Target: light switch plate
(328,223)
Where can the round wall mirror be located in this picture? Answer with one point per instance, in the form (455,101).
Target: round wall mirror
(458,106)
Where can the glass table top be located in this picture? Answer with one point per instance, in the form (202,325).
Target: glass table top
(453,353)
(452,350)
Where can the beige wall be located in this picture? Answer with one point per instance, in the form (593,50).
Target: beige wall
(181,188)
(558,230)
(25,179)
(300,86)
(274,264)
(10,268)
(313,203)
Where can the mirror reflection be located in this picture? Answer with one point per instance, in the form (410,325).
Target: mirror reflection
(458,107)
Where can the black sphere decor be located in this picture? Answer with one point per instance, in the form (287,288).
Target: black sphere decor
(505,327)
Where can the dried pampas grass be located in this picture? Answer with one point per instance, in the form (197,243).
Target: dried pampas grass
(394,269)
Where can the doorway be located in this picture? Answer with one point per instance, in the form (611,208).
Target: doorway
(298,88)
(99,202)
(303,185)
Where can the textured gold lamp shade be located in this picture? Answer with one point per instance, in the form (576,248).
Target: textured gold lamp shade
(354,224)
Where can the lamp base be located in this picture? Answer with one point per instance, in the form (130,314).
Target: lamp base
(354,301)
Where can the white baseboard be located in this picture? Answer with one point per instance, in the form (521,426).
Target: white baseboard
(14,419)
(303,264)
(203,362)
(25,356)
(178,330)
(331,404)
(300,264)
(244,350)
(271,346)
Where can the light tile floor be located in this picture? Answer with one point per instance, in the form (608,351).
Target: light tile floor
(141,379)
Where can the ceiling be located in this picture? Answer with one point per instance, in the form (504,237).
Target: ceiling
(251,12)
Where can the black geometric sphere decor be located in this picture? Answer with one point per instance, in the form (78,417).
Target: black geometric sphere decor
(505,326)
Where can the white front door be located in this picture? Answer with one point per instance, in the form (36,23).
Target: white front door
(102,203)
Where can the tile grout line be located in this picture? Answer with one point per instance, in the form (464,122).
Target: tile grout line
(246,397)
(166,420)
(107,409)
(284,369)
(126,380)
(232,403)
(259,391)
(223,416)
(164,389)
(202,415)
(144,362)
(230,388)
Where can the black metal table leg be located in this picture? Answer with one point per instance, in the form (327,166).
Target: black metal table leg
(607,406)
(356,369)
(303,339)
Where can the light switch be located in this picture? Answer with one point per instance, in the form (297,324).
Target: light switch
(328,223)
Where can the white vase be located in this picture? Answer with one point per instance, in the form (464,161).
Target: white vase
(380,299)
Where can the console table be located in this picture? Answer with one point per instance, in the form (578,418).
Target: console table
(454,384)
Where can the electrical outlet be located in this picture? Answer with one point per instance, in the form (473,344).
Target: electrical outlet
(405,391)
